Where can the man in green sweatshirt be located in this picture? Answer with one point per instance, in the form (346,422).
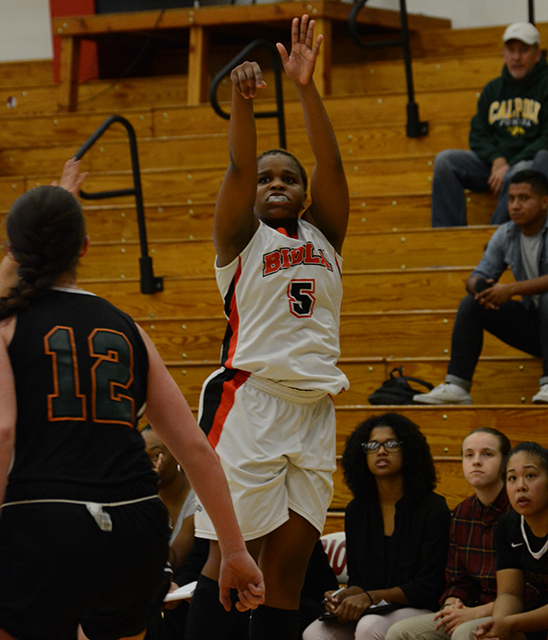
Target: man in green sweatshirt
(509,133)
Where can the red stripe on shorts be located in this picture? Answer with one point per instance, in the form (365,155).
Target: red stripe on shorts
(227,402)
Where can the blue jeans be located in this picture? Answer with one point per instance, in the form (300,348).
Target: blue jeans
(513,323)
(456,170)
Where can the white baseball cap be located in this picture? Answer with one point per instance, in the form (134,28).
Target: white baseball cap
(523,31)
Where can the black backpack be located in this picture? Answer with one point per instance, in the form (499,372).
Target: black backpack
(397,390)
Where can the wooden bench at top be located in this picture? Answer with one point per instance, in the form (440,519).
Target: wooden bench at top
(199,20)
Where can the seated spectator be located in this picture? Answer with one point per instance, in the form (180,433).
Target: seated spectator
(176,493)
(188,554)
(521,543)
(470,581)
(509,133)
(396,532)
(521,245)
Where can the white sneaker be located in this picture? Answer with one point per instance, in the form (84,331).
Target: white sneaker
(448,394)
(542,395)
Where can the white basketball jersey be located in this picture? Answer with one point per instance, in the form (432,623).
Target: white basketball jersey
(282,300)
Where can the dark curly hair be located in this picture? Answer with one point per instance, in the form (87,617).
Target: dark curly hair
(46,231)
(419,473)
(287,154)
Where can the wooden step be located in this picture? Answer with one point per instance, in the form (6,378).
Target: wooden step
(414,249)
(398,176)
(364,292)
(406,289)
(382,335)
(195,220)
(25,74)
(479,41)
(520,375)
(356,143)
(67,128)
(345,112)
(440,73)
(447,426)
(498,379)
(205,150)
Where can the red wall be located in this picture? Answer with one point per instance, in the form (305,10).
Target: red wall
(88,54)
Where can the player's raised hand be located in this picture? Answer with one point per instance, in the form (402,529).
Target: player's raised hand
(71,178)
(247,78)
(299,64)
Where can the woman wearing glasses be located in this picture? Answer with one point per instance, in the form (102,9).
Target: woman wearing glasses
(396,532)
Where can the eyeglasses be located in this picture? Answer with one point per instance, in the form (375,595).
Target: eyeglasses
(390,446)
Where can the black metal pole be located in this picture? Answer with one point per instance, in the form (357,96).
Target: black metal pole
(149,282)
(225,71)
(532,11)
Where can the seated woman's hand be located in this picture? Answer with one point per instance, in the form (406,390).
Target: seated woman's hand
(453,615)
(172,603)
(352,607)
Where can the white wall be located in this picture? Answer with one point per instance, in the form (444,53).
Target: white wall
(25,30)
(25,25)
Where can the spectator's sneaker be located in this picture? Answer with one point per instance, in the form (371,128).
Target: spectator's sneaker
(448,394)
(542,395)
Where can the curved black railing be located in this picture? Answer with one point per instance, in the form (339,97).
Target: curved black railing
(277,65)
(149,282)
(415,128)
(531,4)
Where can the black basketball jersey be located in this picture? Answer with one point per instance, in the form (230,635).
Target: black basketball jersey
(80,368)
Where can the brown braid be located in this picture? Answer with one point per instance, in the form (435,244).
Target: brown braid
(46,231)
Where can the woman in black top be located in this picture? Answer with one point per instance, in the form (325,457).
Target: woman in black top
(521,543)
(396,532)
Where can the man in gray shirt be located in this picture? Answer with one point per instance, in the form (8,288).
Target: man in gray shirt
(520,244)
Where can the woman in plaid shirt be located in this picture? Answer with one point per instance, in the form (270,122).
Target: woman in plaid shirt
(470,574)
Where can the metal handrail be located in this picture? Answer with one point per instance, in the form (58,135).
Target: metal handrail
(149,282)
(531,4)
(225,71)
(415,128)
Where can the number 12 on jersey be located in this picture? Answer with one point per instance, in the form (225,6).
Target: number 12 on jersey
(111,371)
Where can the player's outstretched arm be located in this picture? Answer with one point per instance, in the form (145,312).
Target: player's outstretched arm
(234,222)
(171,418)
(328,188)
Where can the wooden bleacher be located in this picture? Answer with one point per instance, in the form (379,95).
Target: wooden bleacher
(402,280)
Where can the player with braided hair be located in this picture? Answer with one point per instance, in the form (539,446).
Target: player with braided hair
(78,495)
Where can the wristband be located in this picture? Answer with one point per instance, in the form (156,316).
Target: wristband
(369,596)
